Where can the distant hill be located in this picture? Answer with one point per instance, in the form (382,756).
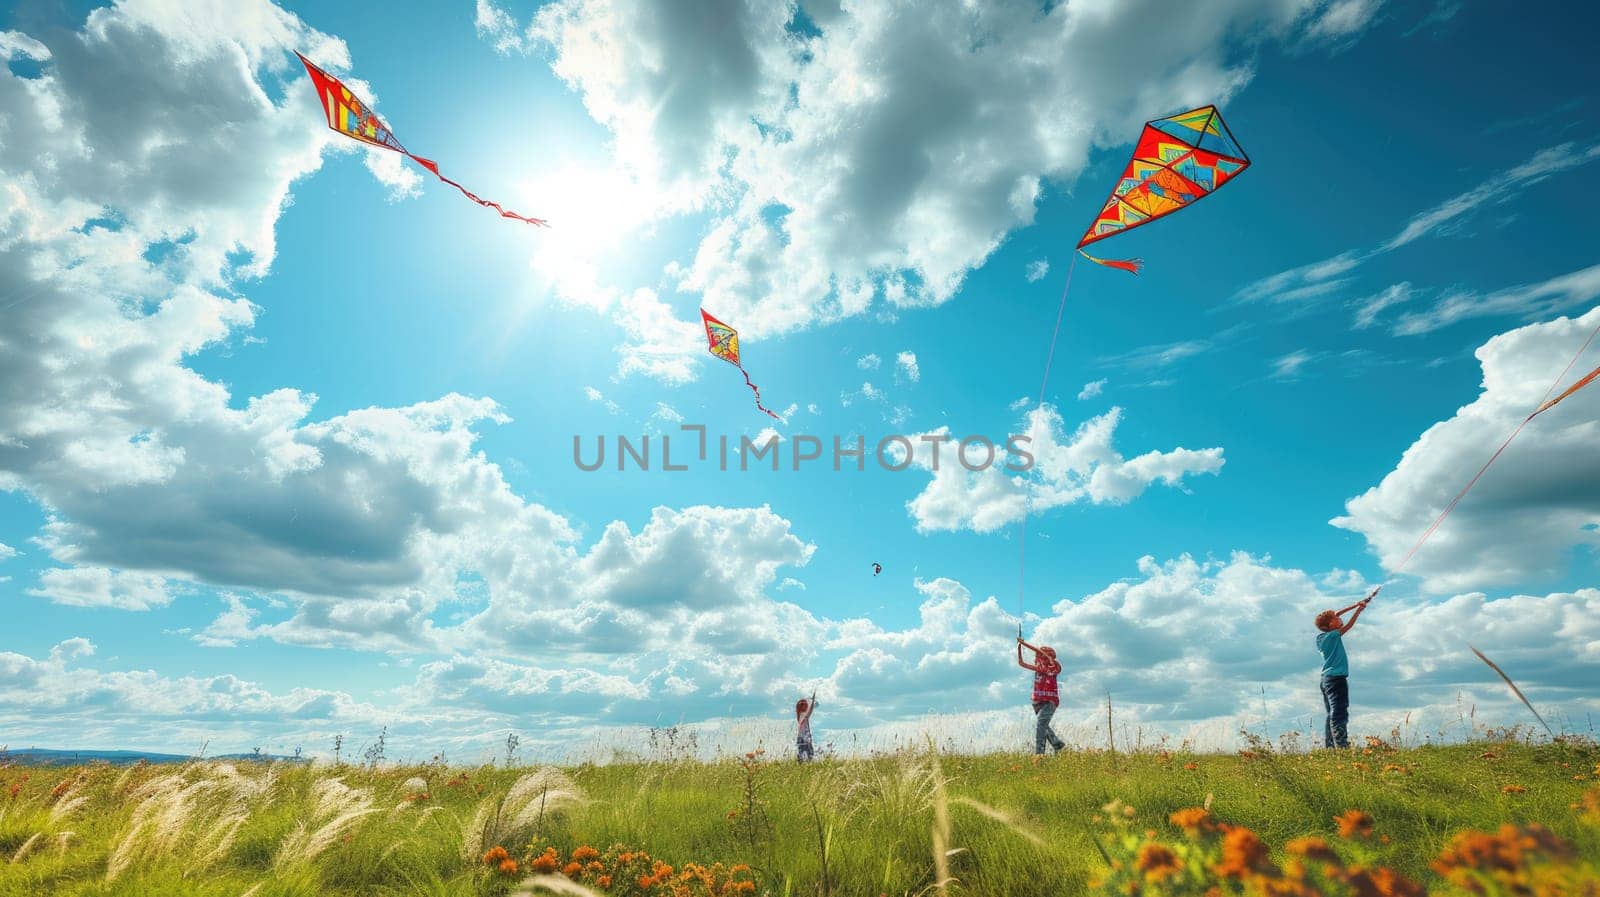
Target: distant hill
(45,757)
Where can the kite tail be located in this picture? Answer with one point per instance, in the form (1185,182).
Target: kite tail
(487,203)
(755,389)
(1570,390)
(1132,266)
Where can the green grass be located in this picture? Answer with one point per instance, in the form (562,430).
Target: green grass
(231,833)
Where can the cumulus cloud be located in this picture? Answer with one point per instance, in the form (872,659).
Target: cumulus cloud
(906,369)
(1037,269)
(1133,639)
(1531,509)
(832,184)
(100,587)
(869,362)
(7,552)
(1068,468)
(1089,391)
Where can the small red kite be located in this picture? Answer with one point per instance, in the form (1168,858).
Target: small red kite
(724,342)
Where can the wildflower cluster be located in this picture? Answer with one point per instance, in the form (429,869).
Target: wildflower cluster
(1214,858)
(498,859)
(635,873)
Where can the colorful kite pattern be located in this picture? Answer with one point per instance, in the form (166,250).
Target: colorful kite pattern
(724,342)
(1177,161)
(351,117)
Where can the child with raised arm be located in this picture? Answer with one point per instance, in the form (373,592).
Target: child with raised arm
(803,709)
(1336,671)
(1045,697)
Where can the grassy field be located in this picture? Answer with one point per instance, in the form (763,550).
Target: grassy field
(903,825)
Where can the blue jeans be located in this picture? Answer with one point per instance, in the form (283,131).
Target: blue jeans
(1336,701)
(1042,731)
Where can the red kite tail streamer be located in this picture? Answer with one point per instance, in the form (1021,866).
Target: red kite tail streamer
(757,390)
(1514,689)
(486,203)
(1022,542)
(1545,404)
(1132,266)
(1589,378)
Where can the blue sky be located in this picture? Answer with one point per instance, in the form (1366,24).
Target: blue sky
(194,547)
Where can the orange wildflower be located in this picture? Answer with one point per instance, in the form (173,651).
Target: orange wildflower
(495,855)
(585,853)
(1194,821)
(1313,848)
(508,867)
(571,870)
(545,862)
(1513,789)
(1383,882)
(1157,862)
(604,882)
(1354,824)
(1191,766)
(1242,853)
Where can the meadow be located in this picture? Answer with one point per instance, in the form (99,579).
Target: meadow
(1482,818)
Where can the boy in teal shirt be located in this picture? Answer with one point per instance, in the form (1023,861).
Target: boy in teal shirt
(1336,672)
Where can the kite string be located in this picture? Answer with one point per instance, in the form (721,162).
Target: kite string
(1434,527)
(1022,561)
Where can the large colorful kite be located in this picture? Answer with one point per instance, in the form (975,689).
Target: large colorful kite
(351,117)
(1178,160)
(724,342)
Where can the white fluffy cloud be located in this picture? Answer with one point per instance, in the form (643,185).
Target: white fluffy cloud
(869,362)
(844,150)
(100,587)
(906,369)
(1135,639)
(1090,390)
(1037,269)
(1531,509)
(1068,468)
(387,529)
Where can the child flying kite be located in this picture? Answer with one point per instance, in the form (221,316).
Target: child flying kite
(1336,671)
(803,709)
(1045,697)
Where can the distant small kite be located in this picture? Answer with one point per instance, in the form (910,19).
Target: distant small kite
(724,342)
(351,117)
(1178,160)
(876,569)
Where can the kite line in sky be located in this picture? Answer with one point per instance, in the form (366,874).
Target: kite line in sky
(1177,161)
